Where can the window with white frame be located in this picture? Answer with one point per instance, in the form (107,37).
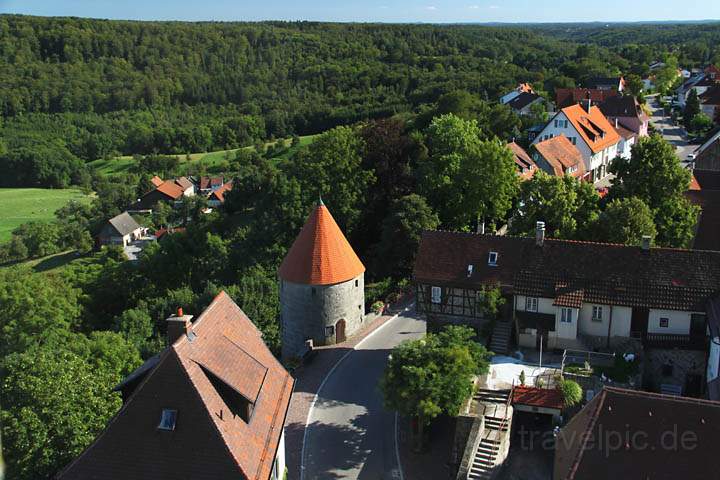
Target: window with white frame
(597,312)
(492,258)
(435,294)
(664,322)
(566,315)
(531,304)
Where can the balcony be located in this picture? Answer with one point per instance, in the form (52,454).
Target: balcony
(667,340)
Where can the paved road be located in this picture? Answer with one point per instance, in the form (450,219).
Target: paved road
(674,134)
(349,433)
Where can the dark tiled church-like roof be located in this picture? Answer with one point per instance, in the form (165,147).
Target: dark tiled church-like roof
(610,274)
(203,377)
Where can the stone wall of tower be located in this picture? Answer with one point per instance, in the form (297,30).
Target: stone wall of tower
(306,311)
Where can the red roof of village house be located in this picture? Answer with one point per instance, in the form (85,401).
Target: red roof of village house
(171,189)
(538,397)
(156,181)
(565,97)
(219,194)
(561,154)
(592,126)
(321,255)
(223,355)
(525,164)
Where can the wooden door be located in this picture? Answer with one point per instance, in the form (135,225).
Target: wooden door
(340,331)
(639,322)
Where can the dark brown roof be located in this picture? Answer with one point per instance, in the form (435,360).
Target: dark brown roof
(223,349)
(184,183)
(609,274)
(525,164)
(705,192)
(711,96)
(523,100)
(631,434)
(622,106)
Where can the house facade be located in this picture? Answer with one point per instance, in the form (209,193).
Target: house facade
(567,294)
(526,166)
(522,103)
(625,111)
(587,128)
(211,405)
(521,88)
(120,230)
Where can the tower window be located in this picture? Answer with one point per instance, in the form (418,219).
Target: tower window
(168,417)
(312,290)
(356,283)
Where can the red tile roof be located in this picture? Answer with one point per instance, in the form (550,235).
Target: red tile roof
(640,435)
(156,181)
(525,164)
(565,97)
(171,189)
(209,441)
(538,397)
(561,154)
(321,255)
(219,194)
(592,126)
(608,274)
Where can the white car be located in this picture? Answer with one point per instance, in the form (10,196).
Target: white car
(692,156)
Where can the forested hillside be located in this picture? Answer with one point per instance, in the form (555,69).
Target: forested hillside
(74,90)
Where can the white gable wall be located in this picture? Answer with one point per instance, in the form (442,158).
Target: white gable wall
(678,324)
(621,318)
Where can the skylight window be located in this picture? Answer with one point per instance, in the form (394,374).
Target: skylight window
(168,417)
(492,259)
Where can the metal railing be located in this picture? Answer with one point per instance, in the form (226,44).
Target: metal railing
(670,340)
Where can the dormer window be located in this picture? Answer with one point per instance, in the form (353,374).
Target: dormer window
(492,259)
(168,417)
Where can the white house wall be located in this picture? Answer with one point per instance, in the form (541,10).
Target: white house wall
(679,322)
(621,318)
(565,329)
(545,305)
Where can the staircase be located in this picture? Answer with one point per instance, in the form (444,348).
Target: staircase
(500,340)
(492,396)
(486,455)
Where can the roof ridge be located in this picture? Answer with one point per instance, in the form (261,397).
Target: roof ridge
(586,434)
(662,396)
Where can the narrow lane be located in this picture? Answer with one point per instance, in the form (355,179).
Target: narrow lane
(349,433)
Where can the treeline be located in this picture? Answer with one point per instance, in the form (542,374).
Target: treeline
(76,89)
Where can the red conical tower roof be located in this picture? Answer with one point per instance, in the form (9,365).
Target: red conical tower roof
(321,255)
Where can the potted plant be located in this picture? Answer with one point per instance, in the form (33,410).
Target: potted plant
(378,307)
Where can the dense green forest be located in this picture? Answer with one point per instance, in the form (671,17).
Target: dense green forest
(412,138)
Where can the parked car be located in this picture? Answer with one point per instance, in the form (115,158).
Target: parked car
(692,156)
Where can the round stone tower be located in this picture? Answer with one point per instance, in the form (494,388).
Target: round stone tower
(322,286)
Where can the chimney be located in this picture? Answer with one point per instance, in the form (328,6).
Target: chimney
(540,233)
(481,228)
(646,239)
(178,325)
(589,101)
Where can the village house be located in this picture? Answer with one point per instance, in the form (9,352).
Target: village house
(700,82)
(187,186)
(211,405)
(521,88)
(566,97)
(522,104)
(168,191)
(558,156)
(707,155)
(208,185)
(605,83)
(120,230)
(587,128)
(624,433)
(628,138)
(577,295)
(217,197)
(625,111)
(526,166)
(710,102)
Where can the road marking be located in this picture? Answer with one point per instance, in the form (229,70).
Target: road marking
(322,384)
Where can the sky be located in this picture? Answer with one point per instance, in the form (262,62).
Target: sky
(435,11)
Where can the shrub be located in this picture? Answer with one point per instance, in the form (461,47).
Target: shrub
(571,392)
(378,306)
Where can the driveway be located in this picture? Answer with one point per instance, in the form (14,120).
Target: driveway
(349,434)
(674,134)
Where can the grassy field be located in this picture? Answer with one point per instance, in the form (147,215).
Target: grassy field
(20,205)
(119,165)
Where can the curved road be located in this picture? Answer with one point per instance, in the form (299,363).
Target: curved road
(349,434)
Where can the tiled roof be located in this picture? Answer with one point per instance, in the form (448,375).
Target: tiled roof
(592,126)
(568,295)
(321,255)
(627,134)
(208,441)
(219,194)
(565,97)
(538,397)
(623,106)
(184,183)
(124,223)
(523,100)
(171,189)
(711,96)
(156,181)
(705,191)
(210,182)
(600,82)
(647,432)
(525,164)
(608,274)
(561,154)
